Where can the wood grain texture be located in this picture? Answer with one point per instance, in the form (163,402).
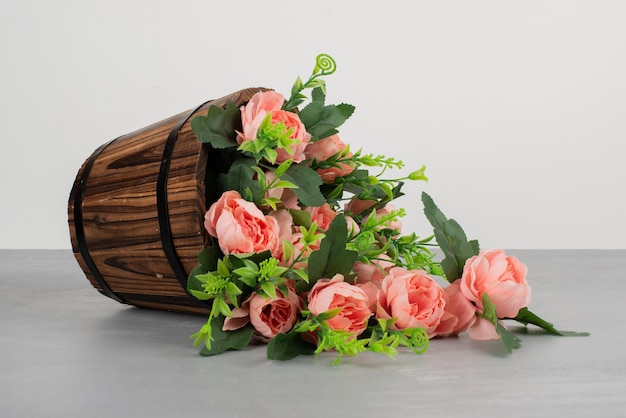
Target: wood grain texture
(120,216)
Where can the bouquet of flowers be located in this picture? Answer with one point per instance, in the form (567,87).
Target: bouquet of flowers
(307,251)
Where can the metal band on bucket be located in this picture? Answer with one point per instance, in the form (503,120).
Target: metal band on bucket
(162,203)
(78,194)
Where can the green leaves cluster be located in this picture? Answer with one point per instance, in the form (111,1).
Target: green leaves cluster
(451,239)
(270,137)
(324,65)
(380,338)
(218,127)
(321,120)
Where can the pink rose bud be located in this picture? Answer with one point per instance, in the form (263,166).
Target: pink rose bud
(253,114)
(413,297)
(273,316)
(240,227)
(502,277)
(330,294)
(459,313)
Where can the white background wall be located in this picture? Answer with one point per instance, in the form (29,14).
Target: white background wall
(518,109)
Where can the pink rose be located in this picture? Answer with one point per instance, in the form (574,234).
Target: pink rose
(369,277)
(322,150)
(335,293)
(502,277)
(268,316)
(412,297)
(459,312)
(273,316)
(371,290)
(285,223)
(240,227)
(253,114)
(322,215)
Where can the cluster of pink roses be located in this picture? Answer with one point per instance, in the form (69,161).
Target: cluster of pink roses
(381,288)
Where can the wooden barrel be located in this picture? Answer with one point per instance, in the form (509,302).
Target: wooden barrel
(136,212)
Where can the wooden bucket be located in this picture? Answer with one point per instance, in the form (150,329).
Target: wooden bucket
(136,212)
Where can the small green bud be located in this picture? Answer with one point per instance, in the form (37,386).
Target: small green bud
(418,175)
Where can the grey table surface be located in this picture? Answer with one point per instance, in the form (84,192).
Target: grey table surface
(68,351)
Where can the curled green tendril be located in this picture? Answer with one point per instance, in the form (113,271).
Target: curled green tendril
(325,63)
(419,340)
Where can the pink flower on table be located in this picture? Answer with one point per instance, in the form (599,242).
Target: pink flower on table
(459,313)
(240,227)
(328,294)
(268,316)
(502,277)
(253,114)
(322,150)
(322,215)
(413,297)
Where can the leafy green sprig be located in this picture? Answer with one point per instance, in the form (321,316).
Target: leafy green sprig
(270,136)
(267,276)
(218,287)
(408,251)
(382,339)
(311,237)
(413,253)
(277,183)
(386,340)
(324,65)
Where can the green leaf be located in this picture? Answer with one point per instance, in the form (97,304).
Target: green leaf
(301,217)
(199,294)
(332,257)
(318,95)
(526,317)
(288,346)
(331,313)
(509,340)
(283,167)
(218,126)
(451,239)
(208,262)
(240,177)
(269,289)
(238,261)
(223,307)
(226,340)
(308,182)
(489,309)
(321,121)
(208,258)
